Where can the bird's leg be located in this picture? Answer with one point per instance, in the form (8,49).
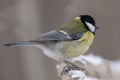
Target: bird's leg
(70,66)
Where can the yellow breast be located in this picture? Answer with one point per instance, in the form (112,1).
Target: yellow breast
(87,37)
(80,46)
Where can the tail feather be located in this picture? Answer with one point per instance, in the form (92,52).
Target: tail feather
(21,43)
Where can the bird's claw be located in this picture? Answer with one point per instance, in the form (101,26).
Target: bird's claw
(70,66)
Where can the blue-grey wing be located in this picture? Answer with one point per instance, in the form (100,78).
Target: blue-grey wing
(55,35)
(59,35)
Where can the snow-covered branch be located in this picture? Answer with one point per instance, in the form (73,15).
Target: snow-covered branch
(95,68)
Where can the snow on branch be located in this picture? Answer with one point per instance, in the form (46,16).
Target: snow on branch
(95,68)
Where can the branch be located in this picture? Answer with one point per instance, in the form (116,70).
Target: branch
(95,68)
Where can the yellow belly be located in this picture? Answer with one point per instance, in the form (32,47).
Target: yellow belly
(69,49)
(80,46)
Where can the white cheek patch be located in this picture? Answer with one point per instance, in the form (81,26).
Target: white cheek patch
(90,26)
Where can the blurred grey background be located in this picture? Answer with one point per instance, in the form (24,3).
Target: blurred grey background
(26,19)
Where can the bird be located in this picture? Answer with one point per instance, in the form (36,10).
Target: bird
(69,40)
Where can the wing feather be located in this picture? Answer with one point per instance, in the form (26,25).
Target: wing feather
(53,36)
(58,35)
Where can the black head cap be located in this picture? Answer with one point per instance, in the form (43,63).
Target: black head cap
(89,22)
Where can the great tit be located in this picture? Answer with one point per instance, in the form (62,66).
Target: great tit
(67,41)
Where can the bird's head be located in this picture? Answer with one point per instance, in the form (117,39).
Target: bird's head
(88,22)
